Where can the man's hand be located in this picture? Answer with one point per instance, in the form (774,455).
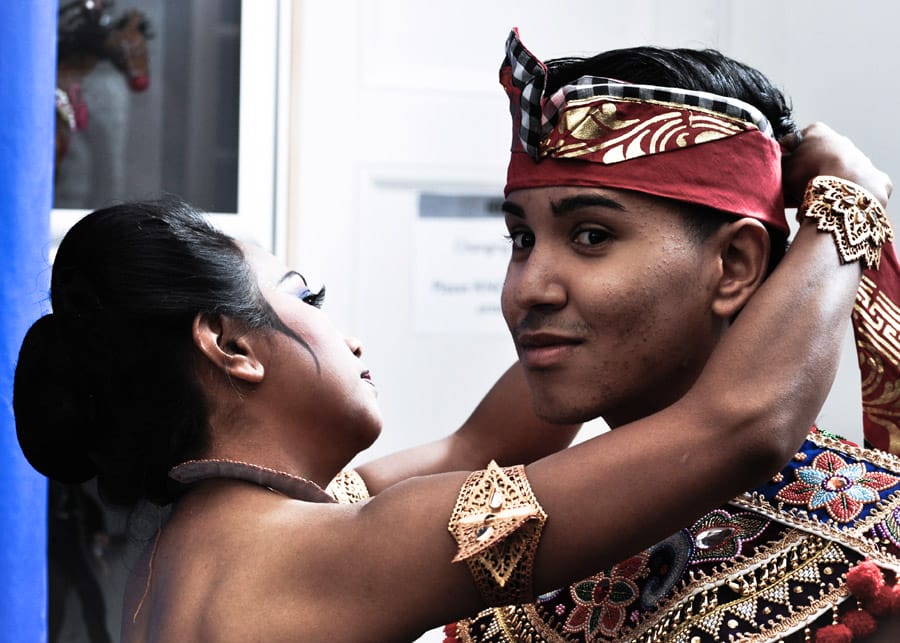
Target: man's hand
(822,151)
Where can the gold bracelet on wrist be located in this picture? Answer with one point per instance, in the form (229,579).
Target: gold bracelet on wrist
(497,523)
(855,218)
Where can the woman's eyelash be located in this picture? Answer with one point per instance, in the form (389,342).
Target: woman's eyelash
(314,298)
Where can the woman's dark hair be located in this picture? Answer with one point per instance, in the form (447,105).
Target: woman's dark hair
(697,69)
(106,384)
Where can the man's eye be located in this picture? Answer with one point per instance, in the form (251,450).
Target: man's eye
(592,236)
(521,239)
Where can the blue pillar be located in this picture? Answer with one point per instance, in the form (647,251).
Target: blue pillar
(28,81)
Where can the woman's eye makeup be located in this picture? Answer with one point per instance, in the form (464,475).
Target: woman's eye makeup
(316,299)
(294,281)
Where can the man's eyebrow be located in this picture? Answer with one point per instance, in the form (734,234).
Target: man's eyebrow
(289,274)
(572,203)
(513,208)
(567,205)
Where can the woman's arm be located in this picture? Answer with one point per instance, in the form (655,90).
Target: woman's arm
(503,427)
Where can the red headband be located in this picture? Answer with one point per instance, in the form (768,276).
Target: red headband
(677,144)
(741,176)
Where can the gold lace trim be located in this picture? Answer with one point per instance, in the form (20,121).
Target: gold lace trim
(348,487)
(805,567)
(497,523)
(799,571)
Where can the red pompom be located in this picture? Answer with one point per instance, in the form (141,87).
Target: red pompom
(834,634)
(864,580)
(860,622)
(451,630)
(895,599)
(882,602)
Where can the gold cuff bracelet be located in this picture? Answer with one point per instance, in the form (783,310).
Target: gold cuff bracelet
(497,523)
(855,219)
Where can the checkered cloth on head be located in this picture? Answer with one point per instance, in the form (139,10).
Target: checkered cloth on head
(537,113)
(529,75)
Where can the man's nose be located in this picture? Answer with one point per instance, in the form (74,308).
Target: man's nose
(537,281)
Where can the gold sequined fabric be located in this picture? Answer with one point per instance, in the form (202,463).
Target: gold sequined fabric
(348,487)
(497,523)
(854,218)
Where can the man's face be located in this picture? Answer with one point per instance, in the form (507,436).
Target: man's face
(607,296)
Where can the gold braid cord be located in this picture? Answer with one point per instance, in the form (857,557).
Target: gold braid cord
(855,219)
(497,523)
(348,487)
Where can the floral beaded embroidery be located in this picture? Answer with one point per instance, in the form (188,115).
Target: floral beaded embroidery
(666,565)
(889,528)
(842,488)
(770,568)
(719,535)
(601,600)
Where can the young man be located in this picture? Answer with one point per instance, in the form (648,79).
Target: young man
(645,206)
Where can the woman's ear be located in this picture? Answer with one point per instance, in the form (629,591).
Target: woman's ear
(744,247)
(229,346)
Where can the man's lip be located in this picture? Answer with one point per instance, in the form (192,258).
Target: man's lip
(544,339)
(545,350)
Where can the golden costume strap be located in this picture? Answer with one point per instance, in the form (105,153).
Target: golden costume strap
(348,487)
(497,523)
(854,218)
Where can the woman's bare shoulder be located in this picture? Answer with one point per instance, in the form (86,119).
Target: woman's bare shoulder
(236,559)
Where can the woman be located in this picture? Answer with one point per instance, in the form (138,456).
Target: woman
(187,368)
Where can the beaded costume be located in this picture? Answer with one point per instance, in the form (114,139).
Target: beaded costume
(770,563)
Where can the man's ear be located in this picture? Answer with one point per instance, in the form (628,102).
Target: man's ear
(228,346)
(744,247)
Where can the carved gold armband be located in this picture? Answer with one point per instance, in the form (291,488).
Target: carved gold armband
(497,523)
(855,218)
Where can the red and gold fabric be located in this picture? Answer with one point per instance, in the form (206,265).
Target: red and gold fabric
(691,146)
(876,326)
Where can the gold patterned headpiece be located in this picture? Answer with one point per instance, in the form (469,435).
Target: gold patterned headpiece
(601,132)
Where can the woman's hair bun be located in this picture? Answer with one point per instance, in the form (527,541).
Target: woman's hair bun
(52,406)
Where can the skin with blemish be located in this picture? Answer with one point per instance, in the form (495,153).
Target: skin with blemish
(620,275)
